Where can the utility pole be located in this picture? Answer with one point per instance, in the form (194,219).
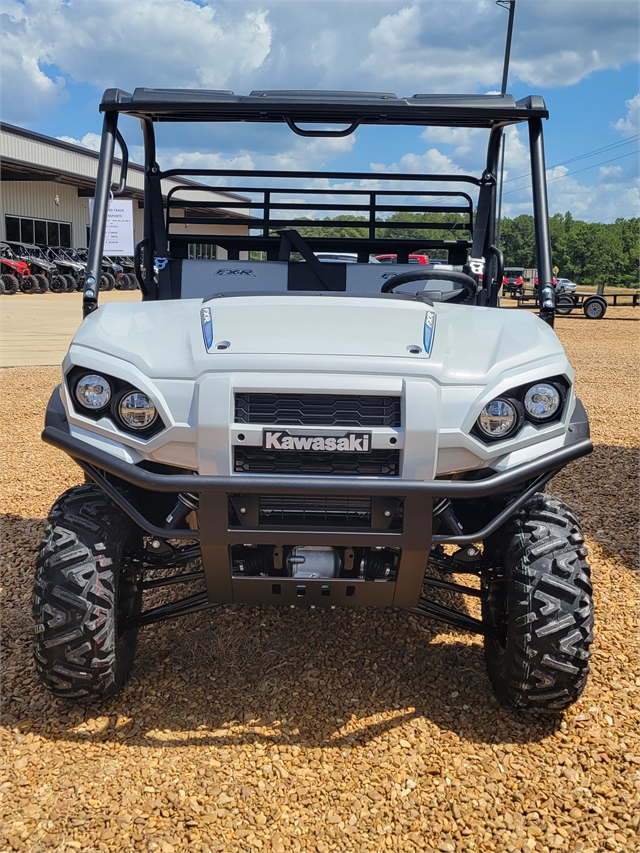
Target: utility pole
(511,6)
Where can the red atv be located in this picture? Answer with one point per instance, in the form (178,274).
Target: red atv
(12,269)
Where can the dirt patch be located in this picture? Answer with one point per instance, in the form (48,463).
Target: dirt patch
(259,729)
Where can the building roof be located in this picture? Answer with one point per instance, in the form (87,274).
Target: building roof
(29,156)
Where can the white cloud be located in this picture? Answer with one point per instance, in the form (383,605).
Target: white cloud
(420,45)
(27,92)
(465,140)
(303,155)
(630,125)
(613,174)
(173,43)
(89,140)
(432,162)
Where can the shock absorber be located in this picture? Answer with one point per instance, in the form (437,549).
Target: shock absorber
(187,503)
(444,511)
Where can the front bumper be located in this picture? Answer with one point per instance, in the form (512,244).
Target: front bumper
(216,534)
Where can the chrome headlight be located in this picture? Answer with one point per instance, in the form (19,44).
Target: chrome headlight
(498,418)
(136,410)
(542,401)
(93,391)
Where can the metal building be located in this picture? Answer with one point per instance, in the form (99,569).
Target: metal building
(46,185)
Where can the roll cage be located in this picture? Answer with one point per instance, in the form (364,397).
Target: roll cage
(273,221)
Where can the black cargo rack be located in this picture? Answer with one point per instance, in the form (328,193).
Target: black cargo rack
(269,215)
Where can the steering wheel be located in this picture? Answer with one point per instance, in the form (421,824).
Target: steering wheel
(468,283)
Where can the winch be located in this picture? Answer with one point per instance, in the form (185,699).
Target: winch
(314,561)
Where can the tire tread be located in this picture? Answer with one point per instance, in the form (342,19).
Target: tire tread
(545,664)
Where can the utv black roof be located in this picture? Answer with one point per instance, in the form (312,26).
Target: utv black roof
(352,108)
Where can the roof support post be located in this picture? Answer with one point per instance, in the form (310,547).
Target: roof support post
(152,207)
(100,210)
(546,292)
(491,268)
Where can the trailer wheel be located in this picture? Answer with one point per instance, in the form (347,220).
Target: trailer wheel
(539,609)
(595,308)
(29,284)
(565,303)
(84,595)
(10,284)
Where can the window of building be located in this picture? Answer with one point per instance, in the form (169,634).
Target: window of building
(13,228)
(19,229)
(40,230)
(26,230)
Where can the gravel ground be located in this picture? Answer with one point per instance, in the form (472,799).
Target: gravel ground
(256,729)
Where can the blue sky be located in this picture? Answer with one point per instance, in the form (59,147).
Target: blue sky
(580,55)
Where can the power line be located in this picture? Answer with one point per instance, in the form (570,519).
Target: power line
(599,150)
(582,156)
(576,172)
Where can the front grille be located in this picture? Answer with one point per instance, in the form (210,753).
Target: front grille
(310,511)
(317,410)
(257,460)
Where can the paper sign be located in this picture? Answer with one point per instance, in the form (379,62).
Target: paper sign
(118,233)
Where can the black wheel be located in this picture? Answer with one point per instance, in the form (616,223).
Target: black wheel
(565,303)
(10,284)
(539,609)
(58,284)
(594,308)
(83,596)
(43,283)
(71,282)
(29,284)
(107,281)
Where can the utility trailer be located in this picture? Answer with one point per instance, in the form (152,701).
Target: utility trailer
(593,305)
(276,430)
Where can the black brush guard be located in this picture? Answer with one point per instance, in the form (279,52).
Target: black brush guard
(216,535)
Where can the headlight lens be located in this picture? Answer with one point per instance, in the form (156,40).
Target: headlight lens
(136,410)
(93,391)
(542,401)
(498,418)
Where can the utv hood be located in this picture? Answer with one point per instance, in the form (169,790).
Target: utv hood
(182,339)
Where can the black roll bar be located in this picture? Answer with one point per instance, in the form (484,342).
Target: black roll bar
(347,176)
(124,168)
(100,209)
(546,290)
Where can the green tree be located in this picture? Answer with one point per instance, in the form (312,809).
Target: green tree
(517,241)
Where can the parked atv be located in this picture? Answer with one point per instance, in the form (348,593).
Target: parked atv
(41,271)
(71,272)
(13,270)
(110,272)
(126,280)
